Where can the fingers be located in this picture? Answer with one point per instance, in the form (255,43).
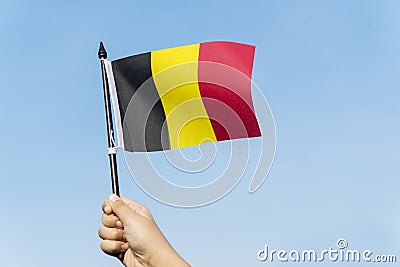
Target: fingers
(106,207)
(111,221)
(108,218)
(122,210)
(114,241)
(111,247)
(133,205)
(114,234)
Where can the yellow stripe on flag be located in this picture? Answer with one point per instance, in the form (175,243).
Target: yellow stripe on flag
(175,74)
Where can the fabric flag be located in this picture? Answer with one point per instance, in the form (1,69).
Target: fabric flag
(183,96)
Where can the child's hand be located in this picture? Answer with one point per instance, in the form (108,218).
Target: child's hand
(130,233)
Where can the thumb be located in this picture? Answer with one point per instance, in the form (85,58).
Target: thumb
(123,211)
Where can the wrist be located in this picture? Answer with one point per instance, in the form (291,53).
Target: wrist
(166,256)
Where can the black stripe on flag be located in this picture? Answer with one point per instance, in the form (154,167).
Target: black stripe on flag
(141,110)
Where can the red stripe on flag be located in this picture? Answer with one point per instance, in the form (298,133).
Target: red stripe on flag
(225,70)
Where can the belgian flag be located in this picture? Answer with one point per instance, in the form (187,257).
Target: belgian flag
(183,96)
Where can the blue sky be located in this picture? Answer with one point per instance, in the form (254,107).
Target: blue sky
(329,69)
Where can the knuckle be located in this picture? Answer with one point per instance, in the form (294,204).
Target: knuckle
(145,209)
(104,247)
(104,219)
(100,232)
(103,206)
(107,208)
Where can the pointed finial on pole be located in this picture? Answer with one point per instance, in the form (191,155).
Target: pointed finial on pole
(102,52)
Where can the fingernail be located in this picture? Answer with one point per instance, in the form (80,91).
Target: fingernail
(124,246)
(124,237)
(113,198)
(119,224)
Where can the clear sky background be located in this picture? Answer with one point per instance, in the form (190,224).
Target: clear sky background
(329,69)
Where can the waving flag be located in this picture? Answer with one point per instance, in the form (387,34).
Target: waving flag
(183,96)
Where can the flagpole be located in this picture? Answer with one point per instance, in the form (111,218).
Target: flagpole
(110,128)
